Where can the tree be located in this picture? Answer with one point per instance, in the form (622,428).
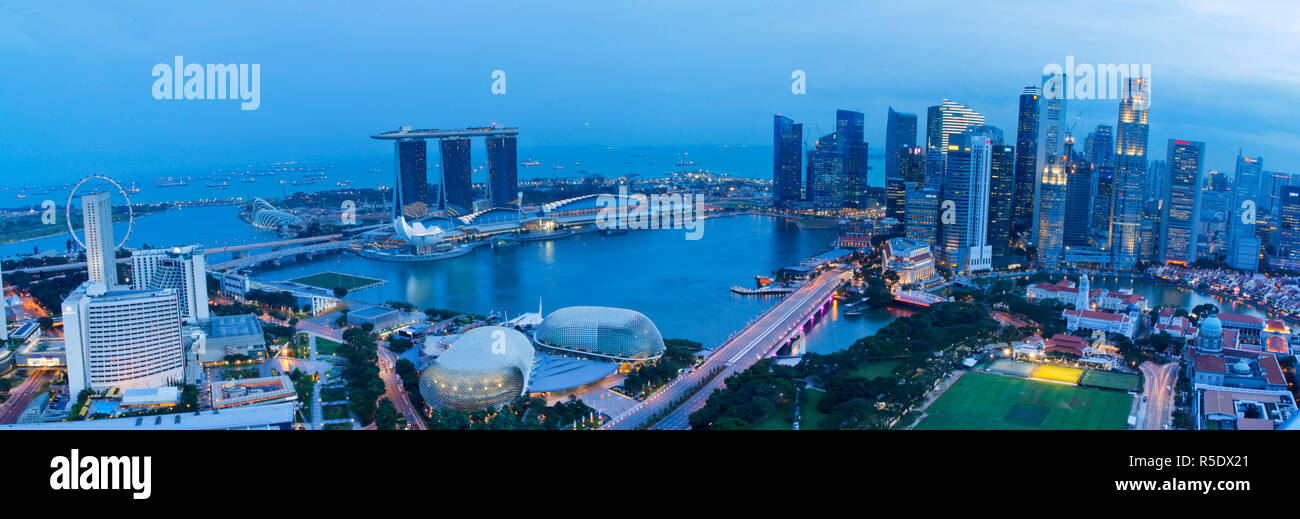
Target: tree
(386,415)
(47,322)
(340,292)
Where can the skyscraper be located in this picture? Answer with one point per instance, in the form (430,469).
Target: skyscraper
(1026,155)
(1288,242)
(849,130)
(911,169)
(1103,200)
(1243,246)
(787,161)
(922,213)
(1001,202)
(911,164)
(97,219)
(1051,134)
(1099,147)
(181,269)
(966,194)
(503,174)
(826,166)
(895,198)
(1181,217)
(947,119)
(1078,198)
(900,131)
(457,183)
(413,174)
(1130,170)
(1050,219)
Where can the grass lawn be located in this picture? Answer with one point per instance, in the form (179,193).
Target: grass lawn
(338,427)
(988,401)
(879,368)
(334,412)
(330,280)
(326,346)
(1109,380)
(810,417)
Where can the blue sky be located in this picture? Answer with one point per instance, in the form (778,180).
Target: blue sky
(77,76)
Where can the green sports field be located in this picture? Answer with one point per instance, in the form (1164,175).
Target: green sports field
(329,280)
(987,401)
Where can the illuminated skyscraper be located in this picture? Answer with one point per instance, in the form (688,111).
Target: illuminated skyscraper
(826,166)
(1001,201)
(414,174)
(966,187)
(1078,198)
(1051,134)
(900,131)
(97,219)
(947,119)
(1099,147)
(849,130)
(1051,214)
(1288,242)
(1026,155)
(911,169)
(1103,200)
(1243,246)
(922,213)
(1181,217)
(787,161)
(503,174)
(457,183)
(1130,171)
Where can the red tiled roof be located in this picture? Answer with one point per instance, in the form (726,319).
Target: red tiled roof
(1211,363)
(1272,370)
(1241,319)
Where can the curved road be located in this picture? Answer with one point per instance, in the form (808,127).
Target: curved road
(740,352)
(1158,390)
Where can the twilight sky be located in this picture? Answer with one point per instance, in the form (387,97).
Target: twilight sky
(77,75)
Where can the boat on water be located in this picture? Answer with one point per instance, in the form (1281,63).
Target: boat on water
(304,182)
(219,185)
(857,308)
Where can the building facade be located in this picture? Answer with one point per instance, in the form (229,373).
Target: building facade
(1181,215)
(122,338)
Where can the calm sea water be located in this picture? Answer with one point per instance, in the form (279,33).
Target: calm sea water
(681,285)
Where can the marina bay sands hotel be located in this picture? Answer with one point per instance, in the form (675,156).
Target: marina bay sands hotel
(455,190)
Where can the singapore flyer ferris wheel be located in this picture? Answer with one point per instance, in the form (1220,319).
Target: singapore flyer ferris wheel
(67,209)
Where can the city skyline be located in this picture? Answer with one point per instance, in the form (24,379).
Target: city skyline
(637,99)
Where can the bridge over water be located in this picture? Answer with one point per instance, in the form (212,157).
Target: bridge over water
(779,327)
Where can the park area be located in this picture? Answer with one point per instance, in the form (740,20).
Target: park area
(332,280)
(1109,380)
(988,401)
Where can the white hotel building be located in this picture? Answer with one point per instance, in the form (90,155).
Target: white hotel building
(122,338)
(182,269)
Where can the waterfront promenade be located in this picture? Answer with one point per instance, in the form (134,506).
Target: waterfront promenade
(742,350)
